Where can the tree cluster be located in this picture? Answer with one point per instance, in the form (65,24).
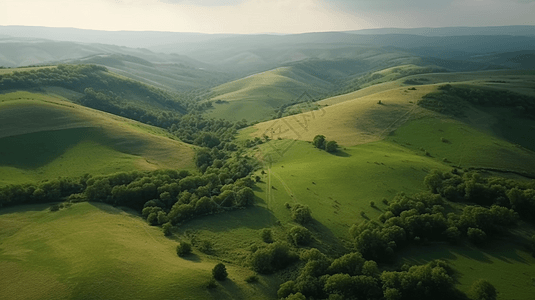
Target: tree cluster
(473,187)
(320,142)
(353,277)
(451,99)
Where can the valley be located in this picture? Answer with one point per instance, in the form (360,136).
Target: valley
(112,158)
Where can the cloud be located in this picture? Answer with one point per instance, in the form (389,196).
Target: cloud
(249,16)
(258,16)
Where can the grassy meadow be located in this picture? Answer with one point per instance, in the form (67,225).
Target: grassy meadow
(43,136)
(256,97)
(95,251)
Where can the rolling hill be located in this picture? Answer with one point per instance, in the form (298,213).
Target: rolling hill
(45,136)
(256,97)
(95,251)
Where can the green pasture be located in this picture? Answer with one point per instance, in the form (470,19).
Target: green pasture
(95,251)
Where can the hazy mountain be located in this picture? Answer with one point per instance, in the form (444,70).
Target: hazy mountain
(454,31)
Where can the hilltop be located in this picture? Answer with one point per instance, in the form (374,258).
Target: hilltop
(46,136)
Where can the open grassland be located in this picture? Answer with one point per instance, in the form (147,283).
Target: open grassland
(95,251)
(504,263)
(256,97)
(44,137)
(514,80)
(463,146)
(338,187)
(357,121)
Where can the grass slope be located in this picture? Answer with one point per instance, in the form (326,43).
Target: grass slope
(338,187)
(95,251)
(357,121)
(255,97)
(504,263)
(43,136)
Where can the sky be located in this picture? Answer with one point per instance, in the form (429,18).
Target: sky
(264,16)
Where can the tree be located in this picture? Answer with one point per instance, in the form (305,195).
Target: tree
(319,141)
(300,235)
(301,214)
(266,235)
(331,146)
(220,272)
(482,290)
(476,235)
(183,249)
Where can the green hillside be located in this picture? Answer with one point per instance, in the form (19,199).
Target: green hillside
(95,251)
(256,97)
(44,137)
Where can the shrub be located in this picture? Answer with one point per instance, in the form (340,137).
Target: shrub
(54,207)
(372,203)
(274,257)
(251,279)
(476,235)
(319,141)
(331,146)
(300,235)
(219,272)
(166,228)
(183,249)
(482,290)
(212,284)
(205,246)
(301,214)
(266,235)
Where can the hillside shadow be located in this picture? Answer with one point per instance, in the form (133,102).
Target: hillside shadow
(192,257)
(254,217)
(341,153)
(33,150)
(327,242)
(506,251)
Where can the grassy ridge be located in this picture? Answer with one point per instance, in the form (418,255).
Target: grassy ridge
(45,136)
(356,121)
(90,251)
(256,97)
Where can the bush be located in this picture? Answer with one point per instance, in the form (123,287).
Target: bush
(220,272)
(476,235)
(266,235)
(212,284)
(300,235)
(331,146)
(205,246)
(482,290)
(183,249)
(251,279)
(274,257)
(301,214)
(166,228)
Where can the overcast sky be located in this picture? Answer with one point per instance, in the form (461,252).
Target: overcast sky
(264,16)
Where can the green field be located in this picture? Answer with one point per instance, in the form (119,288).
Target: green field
(46,137)
(504,263)
(95,251)
(338,187)
(256,97)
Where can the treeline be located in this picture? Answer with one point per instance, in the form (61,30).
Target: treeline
(131,99)
(353,277)
(163,196)
(195,129)
(422,217)
(415,219)
(475,188)
(451,99)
